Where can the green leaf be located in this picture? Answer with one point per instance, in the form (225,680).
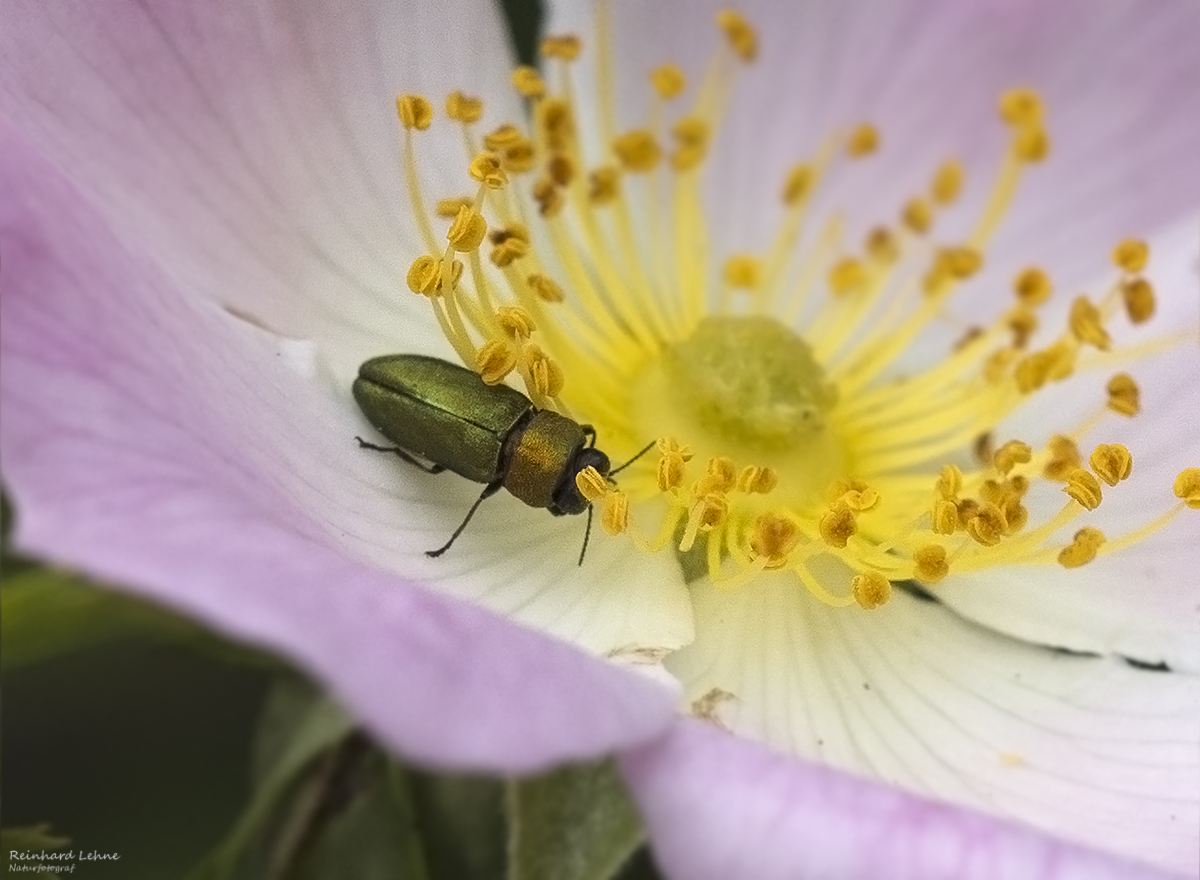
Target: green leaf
(30,839)
(298,753)
(462,825)
(575,823)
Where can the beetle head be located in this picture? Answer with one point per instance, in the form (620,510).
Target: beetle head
(566,497)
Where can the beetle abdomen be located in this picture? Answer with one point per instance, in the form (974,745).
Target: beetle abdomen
(440,411)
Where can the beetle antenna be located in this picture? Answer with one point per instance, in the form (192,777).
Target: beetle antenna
(649,446)
(488,491)
(587,533)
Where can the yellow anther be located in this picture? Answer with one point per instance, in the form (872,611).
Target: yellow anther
(1084,488)
(508,251)
(1033,286)
(495,360)
(949,482)
(503,137)
(691,131)
(1011,454)
(988,525)
(863,141)
(467,231)
(1015,515)
(968,508)
(931,566)
(414,111)
(944,518)
(519,158)
(548,197)
(710,511)
(1054,363)
(545,374)
(1064,458)
(671,446)
(546,289)
(668,80)
(509,232)
(425,275)
(848,276)
(614,512)
(1087,325)
(740,33)
(528,81)
(855,494)
(1131,255)
(961,262)
(561,169)
(1083,549)
(882,247)
(742,272)
(798,184)
(1022,107)
(722,474)
(557,122)
(515,322)
(774,537)
(1139,300)
(837,525)
(917,216)
(870,589)
(486,169)
(565,47)
(1023,322)
(671,468)
(448,208)
(637,150)
(1124,397)
(757,480)
(1111,462)
(1031,145)
(604,185)
(947,182)
(463,108)
(1187,487)
(592,485)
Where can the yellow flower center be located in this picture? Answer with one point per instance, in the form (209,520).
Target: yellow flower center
(786,435)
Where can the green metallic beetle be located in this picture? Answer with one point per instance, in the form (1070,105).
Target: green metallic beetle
(492,434)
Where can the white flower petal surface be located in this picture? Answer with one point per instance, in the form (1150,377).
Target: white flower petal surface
(1088,748)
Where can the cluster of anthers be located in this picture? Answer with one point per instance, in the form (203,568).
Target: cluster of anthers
(811,448)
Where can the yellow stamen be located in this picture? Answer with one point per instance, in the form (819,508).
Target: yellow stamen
(930,566)
(1082,549)
(528,82)
(740,33)
(1111,462)
(1123,395)
(565,47)
(1187,487)
(1138,296)
(1131,255)
(668,80)
(463,108)
(1084,488)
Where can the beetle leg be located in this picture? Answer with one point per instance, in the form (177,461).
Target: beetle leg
(590,433)
(428,468)
(488,491)
(587,533)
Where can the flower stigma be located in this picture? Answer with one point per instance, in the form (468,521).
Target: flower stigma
(583,265)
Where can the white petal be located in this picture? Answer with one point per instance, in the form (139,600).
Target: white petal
(1089,749)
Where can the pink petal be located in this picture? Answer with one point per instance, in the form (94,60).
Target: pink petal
(151,439)
(718,807)
(254,146)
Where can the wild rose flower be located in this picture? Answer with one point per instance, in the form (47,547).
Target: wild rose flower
(811,258)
